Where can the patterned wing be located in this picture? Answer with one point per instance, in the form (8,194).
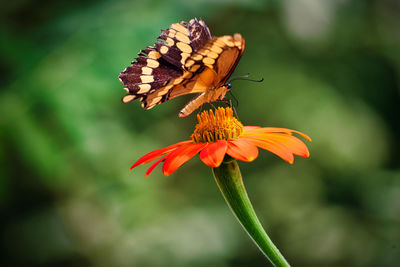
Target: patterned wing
(221,54)
(185,60)
(162,66)
(149,73)
(209,69)
(181,40)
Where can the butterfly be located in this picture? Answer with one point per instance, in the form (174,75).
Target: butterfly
(186,59)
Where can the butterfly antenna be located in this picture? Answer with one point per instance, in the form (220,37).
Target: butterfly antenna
(245,78)
(238,77)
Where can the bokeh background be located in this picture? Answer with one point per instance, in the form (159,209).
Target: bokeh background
(331,70)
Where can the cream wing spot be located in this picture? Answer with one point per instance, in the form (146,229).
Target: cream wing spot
(171,33)
(204,52)
(208,61)
(189,63)
(178,27)
(178,81)
(128,98)
(219,42)
(169,86)
(212,55)
(144,88)
(154,55)
(163,91)
(197,57)
(184,47)
(170,42)
(147,78)
(182,37)
(184,57)
(164,49)
(154,102)
(147,70)
(187,75)
(228,41)
(216,49)
(152,63)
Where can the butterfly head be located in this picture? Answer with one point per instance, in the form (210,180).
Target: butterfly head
(228,86)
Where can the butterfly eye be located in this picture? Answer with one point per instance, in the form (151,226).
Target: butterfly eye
(228,86)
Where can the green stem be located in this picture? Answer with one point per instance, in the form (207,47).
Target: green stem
(229,180)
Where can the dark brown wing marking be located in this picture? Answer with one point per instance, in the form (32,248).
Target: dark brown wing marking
(180,40)
(148,73)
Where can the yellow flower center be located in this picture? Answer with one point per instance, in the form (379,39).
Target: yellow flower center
(221,126)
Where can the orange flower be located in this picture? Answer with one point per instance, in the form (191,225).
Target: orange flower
(220,134)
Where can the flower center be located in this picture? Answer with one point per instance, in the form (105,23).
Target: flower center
(221,126)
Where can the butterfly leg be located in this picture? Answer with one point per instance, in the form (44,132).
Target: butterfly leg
(211,104)
(227,102)
(224,100)
(201,107)
(234,97)
(234,110)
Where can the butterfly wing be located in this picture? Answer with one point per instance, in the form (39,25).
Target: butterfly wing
(163,65)
(230,49)
(209,68)
(227,61)
(181,40)
(148,73)
(185,60)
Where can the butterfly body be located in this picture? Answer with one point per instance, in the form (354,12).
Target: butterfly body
(211,95)
(185,60)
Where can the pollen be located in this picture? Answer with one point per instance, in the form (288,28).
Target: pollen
(219,126)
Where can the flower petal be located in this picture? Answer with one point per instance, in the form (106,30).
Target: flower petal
(242,149)
(179,156)
(213,154)
(276,148)
(256,129)
(295,145)
(158,153)
(249,128)
(153,166)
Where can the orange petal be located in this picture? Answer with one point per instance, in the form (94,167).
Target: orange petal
(276,148)
(214,153)
(242,149)
(295,145)
(249,128)
(254,129)
(179,156)
(153,166)
(158,153)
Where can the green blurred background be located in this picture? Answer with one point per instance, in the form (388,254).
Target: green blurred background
(331,70)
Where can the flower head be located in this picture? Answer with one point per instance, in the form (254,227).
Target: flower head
(220,134)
